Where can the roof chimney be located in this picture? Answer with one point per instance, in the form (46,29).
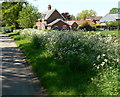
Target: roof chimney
(49,7)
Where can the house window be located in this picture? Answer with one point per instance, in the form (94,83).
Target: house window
(55,26)
(64,27)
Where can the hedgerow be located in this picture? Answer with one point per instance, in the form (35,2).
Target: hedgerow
(83,53)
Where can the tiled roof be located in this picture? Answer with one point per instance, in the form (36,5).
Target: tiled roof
(57,20)
(95,17)
(79,22)
(70,22)
(47,14)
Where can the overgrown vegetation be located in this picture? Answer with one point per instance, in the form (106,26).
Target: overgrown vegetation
(72,63)
(113,25)
(19,14)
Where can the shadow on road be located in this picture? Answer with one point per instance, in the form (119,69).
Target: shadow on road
(17,77)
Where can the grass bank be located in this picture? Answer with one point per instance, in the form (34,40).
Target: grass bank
(58,78)
(112,32)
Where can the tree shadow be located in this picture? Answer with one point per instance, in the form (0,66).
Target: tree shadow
(17,79)
(56,76)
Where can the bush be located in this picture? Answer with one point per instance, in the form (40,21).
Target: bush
(93,27)
(112,25)
(78,50)
(85,26)
(98,25)
(87,53)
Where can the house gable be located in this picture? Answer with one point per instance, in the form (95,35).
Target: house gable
(58,23)
(55,15)
(52,18)
(74,25)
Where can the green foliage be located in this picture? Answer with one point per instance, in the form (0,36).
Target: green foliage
(98,25)
(8,27)
(112,25)
(0,14)
(114,11)
(73,18)
(73,63)
(28,16)
(105,33)
(85,14)
(85,26)
(10,11)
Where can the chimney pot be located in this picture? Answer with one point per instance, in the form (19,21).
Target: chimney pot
(49,7)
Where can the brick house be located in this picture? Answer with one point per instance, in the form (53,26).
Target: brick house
(72,24)
(75,23)
(58,23)
(51,19)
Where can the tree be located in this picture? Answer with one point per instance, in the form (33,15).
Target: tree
(114,11)
(0,14)
(10,11)
(73,18)
(67,16)
(85,14)
(28,16)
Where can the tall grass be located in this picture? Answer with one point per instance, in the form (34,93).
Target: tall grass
(73,63)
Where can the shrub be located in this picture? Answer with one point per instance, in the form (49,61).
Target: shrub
(80,27)
(112,25)
(85,26)
(87,53)
(75,46)
(93,27)
(98,25)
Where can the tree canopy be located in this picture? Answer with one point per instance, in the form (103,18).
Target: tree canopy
(114,11)
(19,14)
(85,14)
(67,16)
(0,14)
(28,16)
(10,11)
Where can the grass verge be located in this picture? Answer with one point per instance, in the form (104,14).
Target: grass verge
(56,77)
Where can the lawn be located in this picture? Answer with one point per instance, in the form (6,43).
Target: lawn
(112,32)
(55,68)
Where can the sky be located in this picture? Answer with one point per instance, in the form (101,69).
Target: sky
(102,7)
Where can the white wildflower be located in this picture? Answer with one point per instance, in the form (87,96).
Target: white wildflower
(103,55)
(110,67)
(109,35)
(103,63)
(98,33)
(105,60)
(118,60)
(91,78)
(98,57)
(97,67)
